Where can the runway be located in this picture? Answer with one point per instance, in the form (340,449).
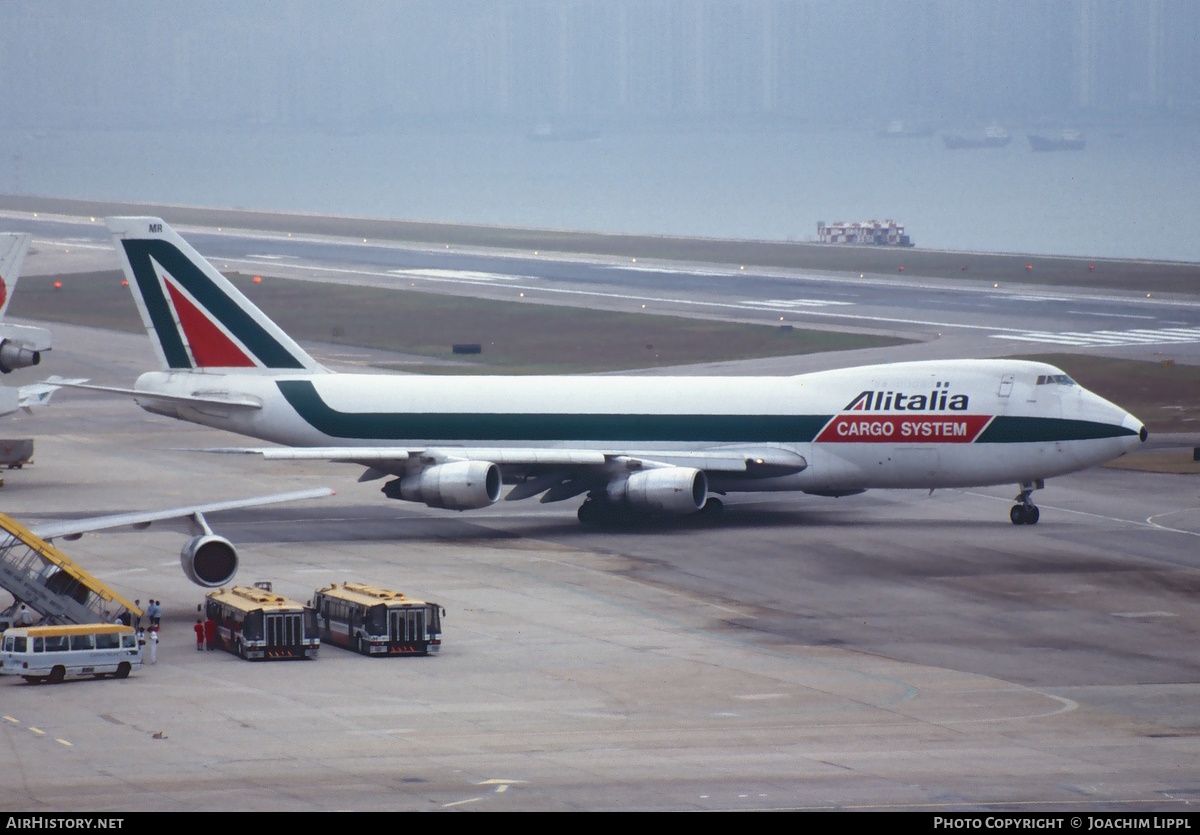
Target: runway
(895,650)
(970,318)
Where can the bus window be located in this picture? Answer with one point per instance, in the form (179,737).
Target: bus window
(127,641)
(38,643)
(83,642)
(57,643)
(376,620)
(252,628)
(18,644)
(110,640)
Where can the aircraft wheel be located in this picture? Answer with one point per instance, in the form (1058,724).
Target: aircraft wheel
(1023,514)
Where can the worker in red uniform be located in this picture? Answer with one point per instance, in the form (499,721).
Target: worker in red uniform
(210,633)
(199,630)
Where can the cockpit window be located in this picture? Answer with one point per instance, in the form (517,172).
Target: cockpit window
(1054,380)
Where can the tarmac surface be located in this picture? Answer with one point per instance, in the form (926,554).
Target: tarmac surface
(894,650)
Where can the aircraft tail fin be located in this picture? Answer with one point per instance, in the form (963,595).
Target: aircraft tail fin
(195,317)
(13,247)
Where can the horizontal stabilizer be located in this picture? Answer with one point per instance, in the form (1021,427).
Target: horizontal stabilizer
(235,401)
(38,394)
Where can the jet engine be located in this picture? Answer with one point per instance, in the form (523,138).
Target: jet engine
(674,490)
(209,560)
(14,355)
(461,485)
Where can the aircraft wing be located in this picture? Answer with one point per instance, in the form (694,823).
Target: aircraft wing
(140,519)
(546,470)
(718,459)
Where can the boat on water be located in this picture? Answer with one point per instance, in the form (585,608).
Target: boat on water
(1067,140)
(994,137)
(899,129)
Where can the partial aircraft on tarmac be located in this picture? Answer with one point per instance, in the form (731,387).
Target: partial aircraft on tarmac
(21,346)
(53,585)
(633,444)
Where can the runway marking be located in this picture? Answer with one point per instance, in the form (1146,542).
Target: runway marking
(64,742)
(461,802)
(72,244)
(788,304)
(37,731)
(273,257)
(1065,706)
(1119,316)
(1150,521)
(1102,338)
(1029,297)
(460,275)
(1144,615)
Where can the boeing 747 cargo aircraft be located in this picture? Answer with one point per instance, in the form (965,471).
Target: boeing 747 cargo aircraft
(633,444)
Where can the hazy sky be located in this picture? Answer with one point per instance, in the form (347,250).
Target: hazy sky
(375,64)
(704,117)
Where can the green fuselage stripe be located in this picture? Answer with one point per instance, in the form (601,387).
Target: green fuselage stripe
(457,426)
(716,429)
(1031,430)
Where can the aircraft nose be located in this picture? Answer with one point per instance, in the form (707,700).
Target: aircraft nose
(1138,429)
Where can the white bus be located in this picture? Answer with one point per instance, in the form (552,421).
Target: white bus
(52,653)
(377,621)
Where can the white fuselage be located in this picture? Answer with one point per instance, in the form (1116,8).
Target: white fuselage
(924,424)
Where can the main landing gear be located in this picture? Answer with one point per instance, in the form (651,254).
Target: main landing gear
(598,513)
(1025,512)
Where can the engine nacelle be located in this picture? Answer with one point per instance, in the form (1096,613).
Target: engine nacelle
(674,490)
(461,485)
(14,355)
(209,560)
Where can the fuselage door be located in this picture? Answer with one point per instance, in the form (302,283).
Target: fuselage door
(1006,384)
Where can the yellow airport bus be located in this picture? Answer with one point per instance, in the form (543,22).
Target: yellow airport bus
(53,653)
(377,621)
(253,623)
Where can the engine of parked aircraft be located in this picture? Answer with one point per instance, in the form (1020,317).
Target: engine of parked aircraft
(14,355)
(674,490)
(209,561)
(461,485)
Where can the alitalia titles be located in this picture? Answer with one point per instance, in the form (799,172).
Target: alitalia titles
(939,399)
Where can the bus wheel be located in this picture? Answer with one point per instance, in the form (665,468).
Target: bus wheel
(360,645)
(122,670)
(57,675)
(241,650)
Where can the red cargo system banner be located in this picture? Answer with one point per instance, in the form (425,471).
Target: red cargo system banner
(857,428)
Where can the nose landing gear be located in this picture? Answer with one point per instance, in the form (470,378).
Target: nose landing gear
(1025,512)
